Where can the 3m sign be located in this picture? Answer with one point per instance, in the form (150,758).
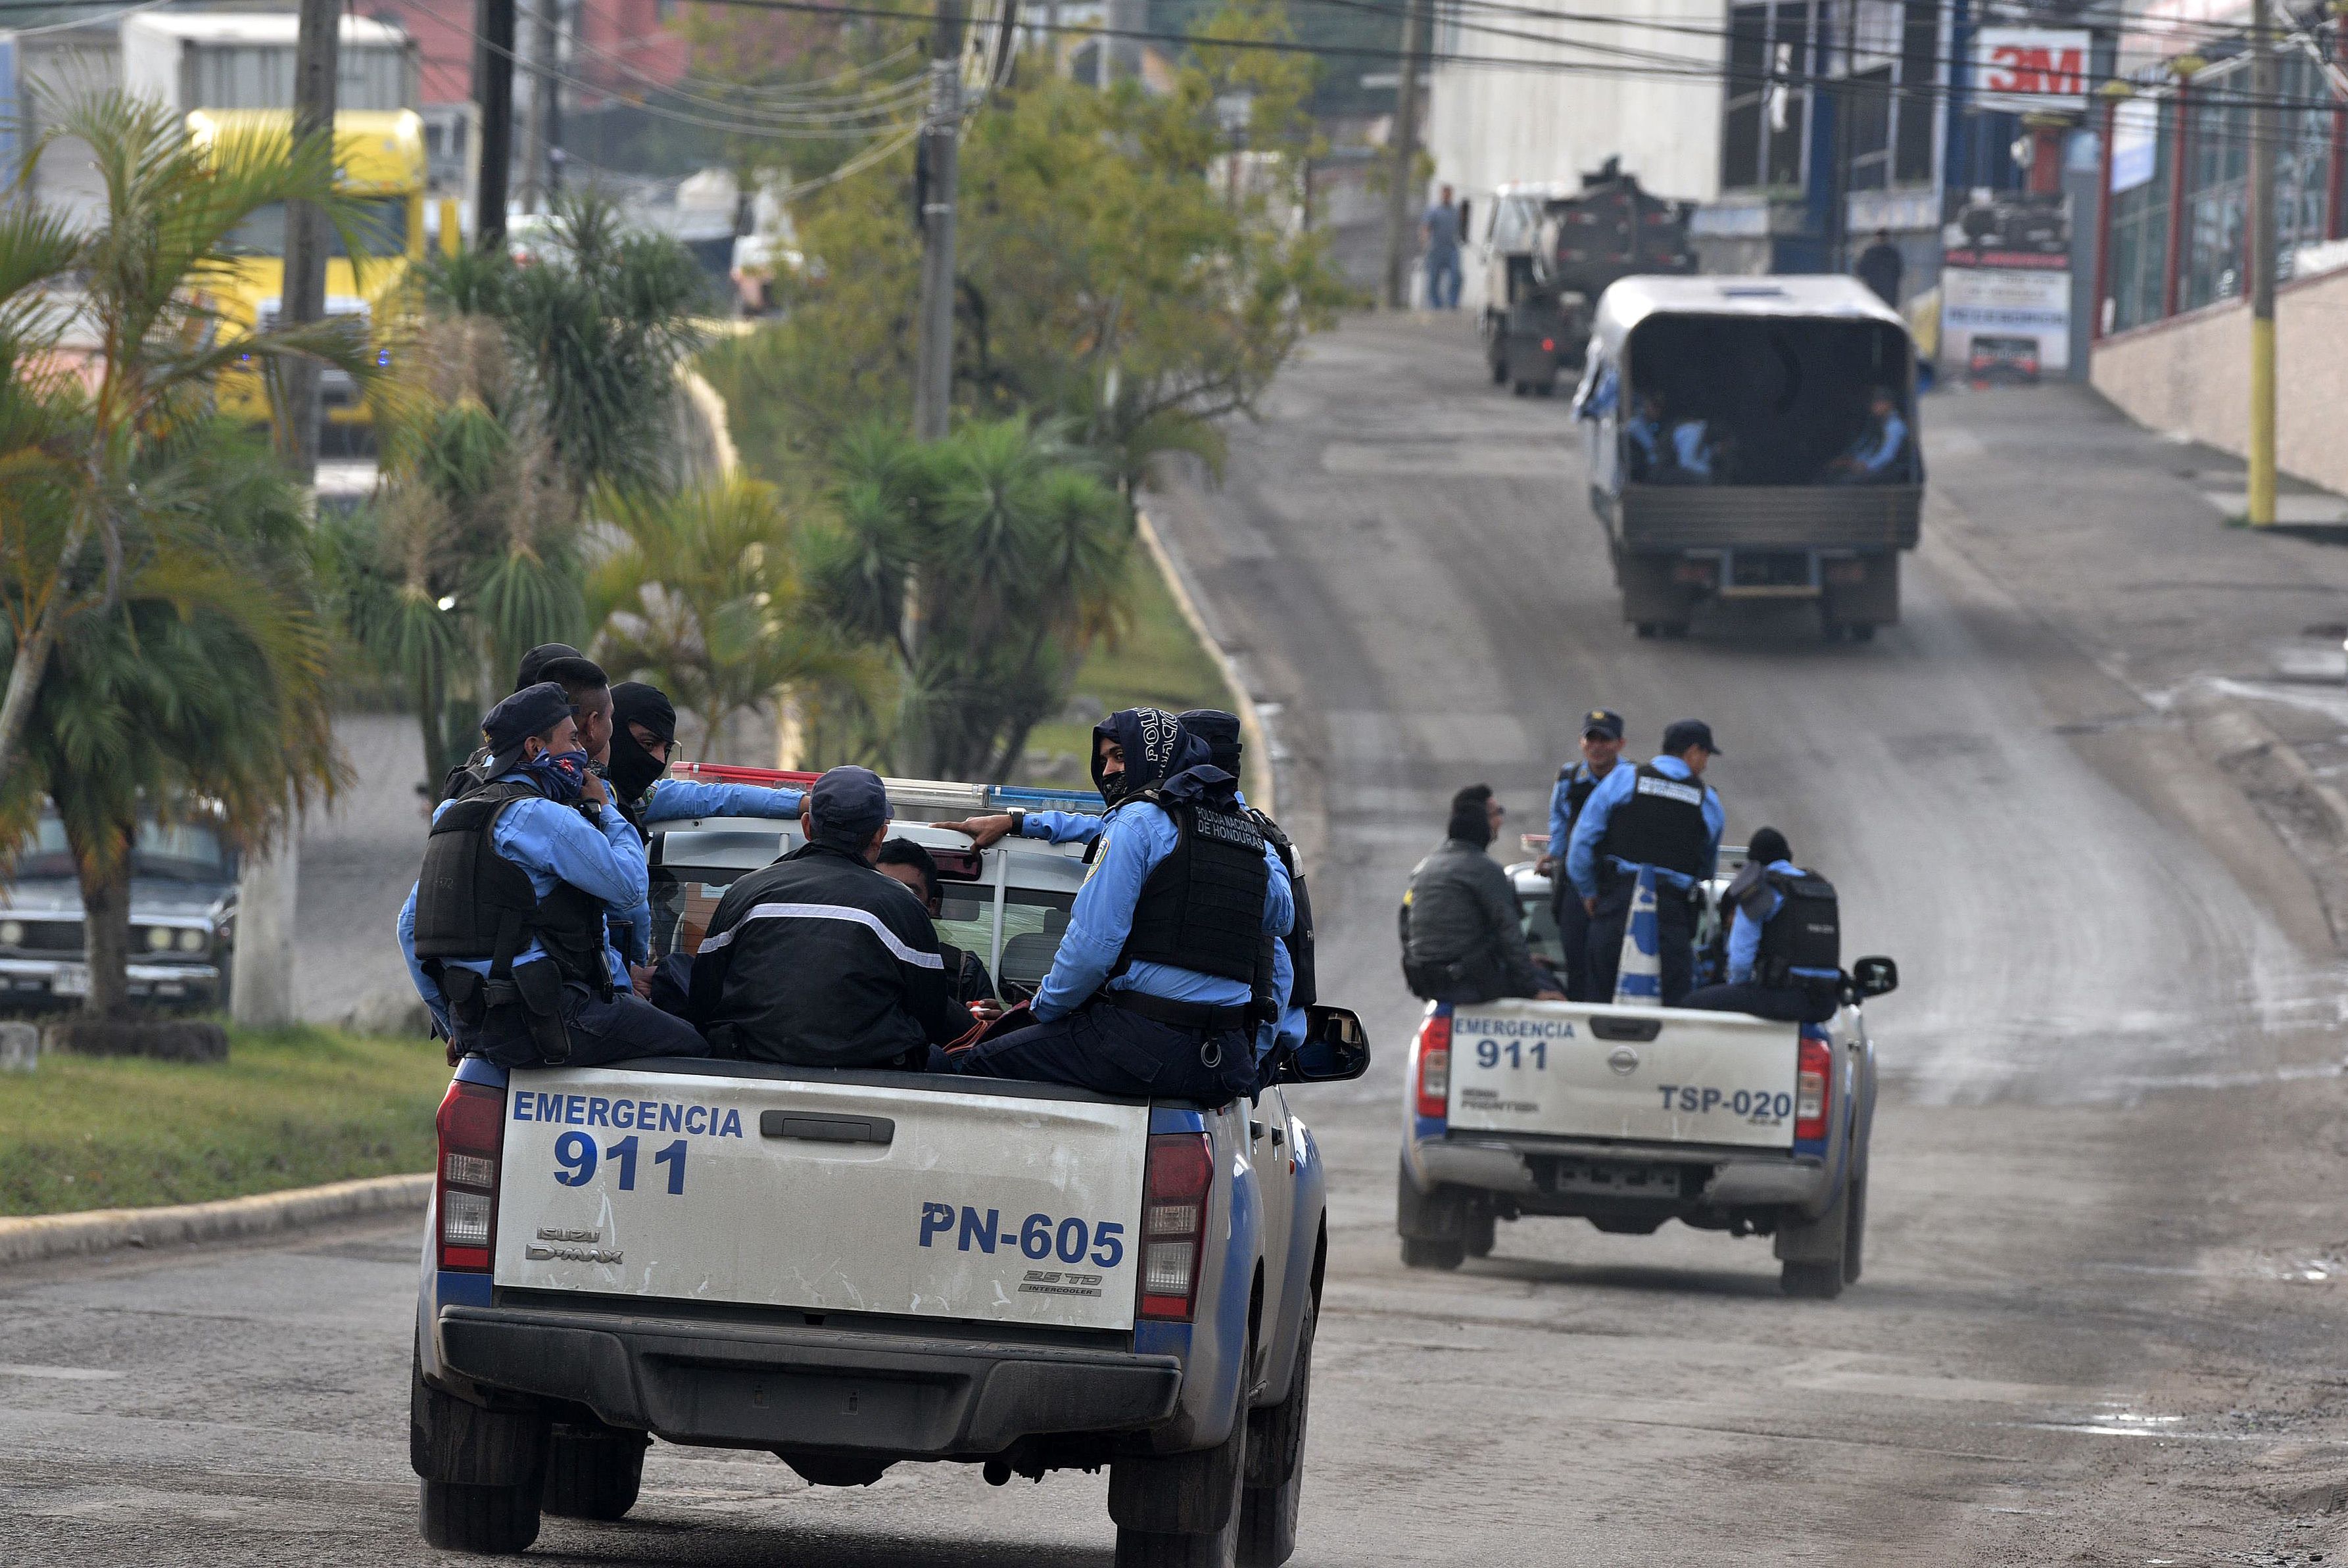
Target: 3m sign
(2025,68)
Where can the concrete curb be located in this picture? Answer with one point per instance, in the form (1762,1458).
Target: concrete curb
(2235,739)
(1257,738)
(38,1236)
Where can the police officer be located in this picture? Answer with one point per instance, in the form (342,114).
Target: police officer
(1785,941)
(506,930)
(818,960)
(1601,747)
(1659,814)
(1463,938)
(1293,976)
(1164,973)
(579,674)
(642,738)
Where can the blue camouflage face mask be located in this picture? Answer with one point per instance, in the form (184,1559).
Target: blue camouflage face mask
(561,774)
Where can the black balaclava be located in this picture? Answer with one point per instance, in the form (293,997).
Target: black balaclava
(1158,753)
(1221,731)
(1468,820)
(633,769)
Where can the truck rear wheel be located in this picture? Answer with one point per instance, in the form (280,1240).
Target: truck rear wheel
(1200,1490)
(1483,1230)
(493,1520)
(1433,1225)
(1275,1463)
(593,1474)
(1816,1251)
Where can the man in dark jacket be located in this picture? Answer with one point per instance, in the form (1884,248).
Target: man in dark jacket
(818,960)
(967,976)
(1463,937)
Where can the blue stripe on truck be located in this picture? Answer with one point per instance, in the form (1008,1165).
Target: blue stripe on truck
(1163,1119)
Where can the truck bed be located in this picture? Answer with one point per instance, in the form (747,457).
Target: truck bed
(1646,1075)
(875,1192)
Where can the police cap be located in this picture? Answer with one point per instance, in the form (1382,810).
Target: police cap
(846,807)
(1604,721)
(1686,732)
(533,710)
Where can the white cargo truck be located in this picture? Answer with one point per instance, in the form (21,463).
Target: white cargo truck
(1629,1117)
(855,1269)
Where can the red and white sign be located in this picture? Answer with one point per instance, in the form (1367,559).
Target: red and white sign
(2026,68)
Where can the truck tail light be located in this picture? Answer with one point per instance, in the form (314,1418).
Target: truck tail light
(1180,1174)
(1813,1078)
(1435,1066)
(473,1130)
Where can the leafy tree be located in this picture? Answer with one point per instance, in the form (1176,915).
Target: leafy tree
(201,685)
(112,350)
(706,598)
(1103,284)
(1020,553)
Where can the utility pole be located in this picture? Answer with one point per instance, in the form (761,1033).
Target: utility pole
(538,132)
(940,140)
(1406,162)
(493,46)
(933,349)
(302,294)
(2263,130)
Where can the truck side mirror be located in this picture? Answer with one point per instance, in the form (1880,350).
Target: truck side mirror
(1335,1048)
(1876,976)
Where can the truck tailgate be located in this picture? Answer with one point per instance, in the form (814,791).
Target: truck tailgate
(822,1196)
(1647,1074)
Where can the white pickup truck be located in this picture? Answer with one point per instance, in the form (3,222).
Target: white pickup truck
(854,1269)
(1629,1117)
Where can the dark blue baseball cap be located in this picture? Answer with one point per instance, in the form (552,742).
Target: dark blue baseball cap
(533,710)
(1686,732)
(1603,721)
(846,807)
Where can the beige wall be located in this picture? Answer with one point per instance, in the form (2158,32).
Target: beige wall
(2192,376)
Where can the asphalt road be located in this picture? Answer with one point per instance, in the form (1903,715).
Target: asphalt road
(2101,1319)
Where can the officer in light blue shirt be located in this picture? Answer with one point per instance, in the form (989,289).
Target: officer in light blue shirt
(1160,983)
(505,932)
(1601,751)
(1659,816)
(1291,959)
(642,740)
(1784,940)
(1874,457)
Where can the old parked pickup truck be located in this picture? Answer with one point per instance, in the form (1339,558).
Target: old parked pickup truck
(857,1269)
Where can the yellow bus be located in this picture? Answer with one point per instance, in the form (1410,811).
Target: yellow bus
(379,158)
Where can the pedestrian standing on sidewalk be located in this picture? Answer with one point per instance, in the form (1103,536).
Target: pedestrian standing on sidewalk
(1441,228)
(1880,268)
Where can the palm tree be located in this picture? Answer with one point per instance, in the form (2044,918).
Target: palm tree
(1020,550)
(113,349)
(706,598)
(201,687)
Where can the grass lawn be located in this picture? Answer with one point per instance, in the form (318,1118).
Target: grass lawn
(288,1108)
(1158,663)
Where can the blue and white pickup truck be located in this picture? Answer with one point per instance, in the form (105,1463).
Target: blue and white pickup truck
(857,1269)
(1630,1116)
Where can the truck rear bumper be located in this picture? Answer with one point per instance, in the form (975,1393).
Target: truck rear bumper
(1560,1176)
(739,1386)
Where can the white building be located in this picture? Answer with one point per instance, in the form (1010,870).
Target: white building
(1589,91)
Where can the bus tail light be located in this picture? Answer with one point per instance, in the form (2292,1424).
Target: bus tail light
(1174,1190)
(1435,1066)
(1813,1081)
(472,1130)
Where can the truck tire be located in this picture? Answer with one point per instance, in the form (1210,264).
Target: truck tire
(592,1473)
(493,1520)
(1419,1253)
(1275,1462)
(1433,1225)
(1183,1491)
(1483,1230)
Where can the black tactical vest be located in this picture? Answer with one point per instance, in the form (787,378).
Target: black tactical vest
(1662,824)
(1805,933)
(1579,787)
(472,903)
(1304,990)
(1201,907)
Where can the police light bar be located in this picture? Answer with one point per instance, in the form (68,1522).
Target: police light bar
(927,794)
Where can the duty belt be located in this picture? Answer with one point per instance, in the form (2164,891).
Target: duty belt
(1180,1014)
